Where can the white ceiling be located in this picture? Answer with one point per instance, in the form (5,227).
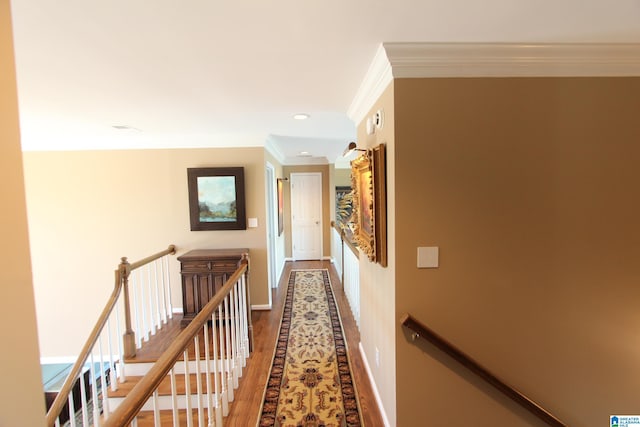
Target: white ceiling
(213,73)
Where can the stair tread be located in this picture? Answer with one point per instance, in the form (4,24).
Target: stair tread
(151,350)
(165,386)
(146,418)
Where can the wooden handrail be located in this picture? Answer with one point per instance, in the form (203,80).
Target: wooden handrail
(76,370)
(133,403)
(422,331)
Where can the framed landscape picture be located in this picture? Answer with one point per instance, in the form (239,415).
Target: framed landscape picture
(216,198)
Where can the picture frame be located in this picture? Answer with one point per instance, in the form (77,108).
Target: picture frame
(368,179)
(216,198)
(280,191)
(344,205)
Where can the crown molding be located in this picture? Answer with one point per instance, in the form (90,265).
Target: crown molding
(274,151)
(375,82)
(433,60)
(418,60)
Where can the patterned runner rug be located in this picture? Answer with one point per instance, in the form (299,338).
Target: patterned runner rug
(310,384)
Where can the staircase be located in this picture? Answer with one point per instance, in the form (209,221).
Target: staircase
(172,391)
(164,374)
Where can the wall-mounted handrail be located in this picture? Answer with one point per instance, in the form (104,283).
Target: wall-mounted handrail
(66,389)
(422,331)
(142,391)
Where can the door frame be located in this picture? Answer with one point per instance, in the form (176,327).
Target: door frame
(270,177)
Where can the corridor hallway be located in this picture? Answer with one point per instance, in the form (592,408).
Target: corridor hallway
(248,398)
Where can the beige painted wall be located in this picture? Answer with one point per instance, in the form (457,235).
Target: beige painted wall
(377,291)
(326,212)
(21,396)
(530,189)
(88,208)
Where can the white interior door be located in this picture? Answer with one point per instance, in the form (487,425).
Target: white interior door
(306,215)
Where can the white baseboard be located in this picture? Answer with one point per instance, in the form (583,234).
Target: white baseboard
(323,258)
(374,386)
(261,307)
(177,310)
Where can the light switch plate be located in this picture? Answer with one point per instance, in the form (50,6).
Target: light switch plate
(252,222)
(428,257)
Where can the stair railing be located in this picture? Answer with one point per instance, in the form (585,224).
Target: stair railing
(422,331)
(224,327)
(104,368)
(349,267)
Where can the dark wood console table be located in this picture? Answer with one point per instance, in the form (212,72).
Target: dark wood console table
(204,272)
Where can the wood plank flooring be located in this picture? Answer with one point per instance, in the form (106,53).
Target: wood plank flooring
(245,409)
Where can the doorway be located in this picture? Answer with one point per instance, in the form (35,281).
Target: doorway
(306,216)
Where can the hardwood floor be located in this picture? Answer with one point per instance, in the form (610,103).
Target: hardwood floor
(248,398)
(245,409)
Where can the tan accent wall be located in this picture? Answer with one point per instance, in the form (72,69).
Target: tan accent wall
(377,284)
(21,396)
(530,189)
(326,213)
(88,208)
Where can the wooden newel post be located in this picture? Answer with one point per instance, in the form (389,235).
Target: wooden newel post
(245,260)
(129,337)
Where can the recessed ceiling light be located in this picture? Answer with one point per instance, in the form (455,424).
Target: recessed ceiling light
(301,116)
(304,154)
(125,127)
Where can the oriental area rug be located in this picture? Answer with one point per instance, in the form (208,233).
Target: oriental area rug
(310,384)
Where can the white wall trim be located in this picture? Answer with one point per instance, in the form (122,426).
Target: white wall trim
(374,386)
(424,60)
(274,151)
(373,84)
(177,310)
(419,60)
(259,307)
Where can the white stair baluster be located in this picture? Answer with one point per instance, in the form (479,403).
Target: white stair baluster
(157,292)
(234,343)
(72,410)
(103,379)
(94,392)
(149,302)
(167,283)
(121,374)
(216,373)
(112,367)
(136,311)
(228,359)
(220,364)
(156,410)
(83,402)
(207,370)
(174,399)
(196,342)
(187,388)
